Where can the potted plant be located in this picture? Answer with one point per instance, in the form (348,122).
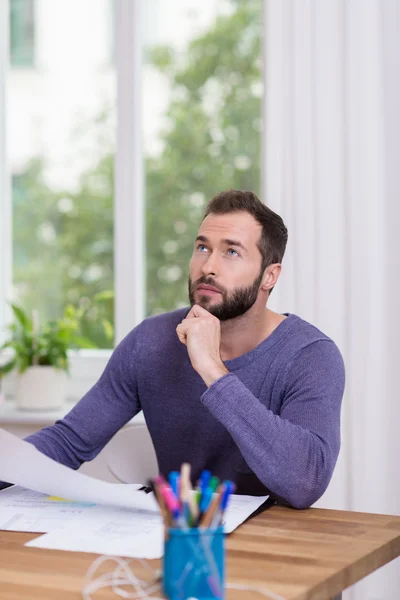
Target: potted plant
(40,355)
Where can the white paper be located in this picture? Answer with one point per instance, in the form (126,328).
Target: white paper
(239,509)
(104,518)
(22,464)
(111,531)
(26,510)
(120,532)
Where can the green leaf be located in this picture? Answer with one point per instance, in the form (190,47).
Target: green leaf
(7,368)
(22,317)
(70,311)
(8,344)
(161,57)
(83,342)
(101,296)
(108,329)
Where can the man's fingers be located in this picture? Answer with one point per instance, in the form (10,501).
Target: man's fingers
(183,328)
(181,332)
(192,313)
(199,311)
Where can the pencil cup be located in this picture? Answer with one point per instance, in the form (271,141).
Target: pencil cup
(194,564)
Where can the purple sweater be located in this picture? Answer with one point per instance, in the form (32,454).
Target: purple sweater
(272,424)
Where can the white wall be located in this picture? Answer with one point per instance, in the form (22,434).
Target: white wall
(333,131)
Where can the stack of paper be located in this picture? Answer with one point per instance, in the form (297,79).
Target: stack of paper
(22,464)
(105,518)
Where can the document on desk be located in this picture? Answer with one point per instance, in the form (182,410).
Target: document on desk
(239,509)
(120,532)
(22,464)
(84,514)
(25,510)
(107,530)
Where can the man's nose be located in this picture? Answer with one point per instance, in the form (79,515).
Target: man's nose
(210,266)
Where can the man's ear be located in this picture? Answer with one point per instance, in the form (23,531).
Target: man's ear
(271,276)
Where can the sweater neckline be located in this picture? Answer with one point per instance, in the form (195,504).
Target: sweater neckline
(244,359)
(280,331)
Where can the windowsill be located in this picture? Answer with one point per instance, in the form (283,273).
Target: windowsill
(11,415)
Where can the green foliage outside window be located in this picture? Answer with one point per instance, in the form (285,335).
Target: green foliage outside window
(211,142)
(22,29)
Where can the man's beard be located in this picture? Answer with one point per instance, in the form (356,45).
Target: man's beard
(233,304)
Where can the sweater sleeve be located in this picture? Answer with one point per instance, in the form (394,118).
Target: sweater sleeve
(294,453)
(106,407)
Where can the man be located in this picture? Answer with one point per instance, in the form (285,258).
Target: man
(227,385)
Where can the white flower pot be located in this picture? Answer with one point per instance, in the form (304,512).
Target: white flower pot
(41,388)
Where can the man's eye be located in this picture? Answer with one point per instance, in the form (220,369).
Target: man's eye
(201,247)
(232,250)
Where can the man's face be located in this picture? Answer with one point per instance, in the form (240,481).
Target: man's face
(225,267)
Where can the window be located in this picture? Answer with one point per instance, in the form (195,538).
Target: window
(111,162)
(60,150)
(22,33)
(201,94)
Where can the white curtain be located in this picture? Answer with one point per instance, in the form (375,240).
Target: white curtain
(332,170)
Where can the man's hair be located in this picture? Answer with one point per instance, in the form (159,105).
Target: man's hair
(274,235)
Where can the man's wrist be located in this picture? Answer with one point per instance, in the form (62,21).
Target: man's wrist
(211,373)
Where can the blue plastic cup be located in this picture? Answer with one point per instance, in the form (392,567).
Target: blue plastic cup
(194,564)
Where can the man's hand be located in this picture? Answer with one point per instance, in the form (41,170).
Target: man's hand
(201,334)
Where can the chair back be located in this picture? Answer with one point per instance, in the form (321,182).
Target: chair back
(130,455)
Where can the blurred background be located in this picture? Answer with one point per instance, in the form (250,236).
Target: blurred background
(199,93)
(120,119)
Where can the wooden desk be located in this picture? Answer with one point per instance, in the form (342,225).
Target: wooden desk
(302,555)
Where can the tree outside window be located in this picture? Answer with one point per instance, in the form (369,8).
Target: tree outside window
(210,141)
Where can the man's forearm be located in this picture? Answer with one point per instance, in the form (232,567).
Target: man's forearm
(290,460)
